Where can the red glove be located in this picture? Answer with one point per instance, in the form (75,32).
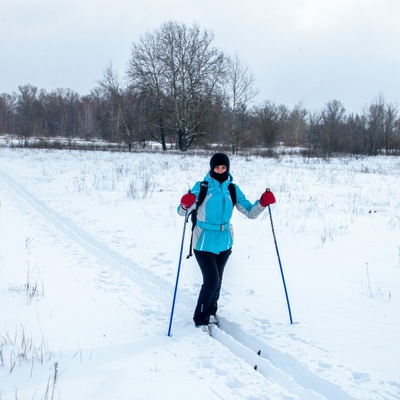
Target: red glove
(267,198)
(188,200)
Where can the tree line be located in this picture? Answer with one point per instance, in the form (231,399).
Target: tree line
(183,92)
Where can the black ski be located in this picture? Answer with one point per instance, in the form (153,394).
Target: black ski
(259,354)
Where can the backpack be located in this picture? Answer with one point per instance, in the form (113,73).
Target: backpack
(200,199)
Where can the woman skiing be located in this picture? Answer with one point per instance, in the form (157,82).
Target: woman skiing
(213,234)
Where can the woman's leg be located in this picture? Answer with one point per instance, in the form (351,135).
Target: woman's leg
(212,268)
(222,259)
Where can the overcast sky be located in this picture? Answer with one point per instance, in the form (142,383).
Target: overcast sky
(308,51)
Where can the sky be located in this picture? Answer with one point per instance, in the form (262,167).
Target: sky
(306,52)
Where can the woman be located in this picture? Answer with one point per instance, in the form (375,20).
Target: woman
(213,233)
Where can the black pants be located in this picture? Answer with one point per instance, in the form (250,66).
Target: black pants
(212,267)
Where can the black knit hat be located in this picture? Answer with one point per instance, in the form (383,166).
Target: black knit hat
(219,159)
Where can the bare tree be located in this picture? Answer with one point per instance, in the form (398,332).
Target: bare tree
(7,113)
(296,127)
(380,126)
(332,138)
(28,108)
(181,72)
(374,131)
(112,93)
(391,128)
(270,120)
(354,128)
(60,109)
(314,133)
(146,73)
(87,122)
(239,92)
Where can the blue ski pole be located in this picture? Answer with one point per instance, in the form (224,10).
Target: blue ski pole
(177,275)
(280,264)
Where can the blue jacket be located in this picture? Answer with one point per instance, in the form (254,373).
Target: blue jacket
(213,231)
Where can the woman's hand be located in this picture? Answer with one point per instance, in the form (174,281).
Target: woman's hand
(267,198)
(188,200)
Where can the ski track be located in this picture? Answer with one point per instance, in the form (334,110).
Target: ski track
(281,367)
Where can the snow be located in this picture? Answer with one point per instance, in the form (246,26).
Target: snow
(89,253)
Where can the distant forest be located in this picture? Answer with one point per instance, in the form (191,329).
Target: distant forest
(183,93)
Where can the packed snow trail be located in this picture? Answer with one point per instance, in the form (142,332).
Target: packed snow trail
(280,367)
(125,266)
(284,369)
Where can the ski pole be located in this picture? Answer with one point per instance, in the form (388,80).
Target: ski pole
(280,264)
(177,275)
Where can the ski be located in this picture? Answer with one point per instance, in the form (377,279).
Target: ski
(214,325)
(206,329)
(214,320)
(259,354)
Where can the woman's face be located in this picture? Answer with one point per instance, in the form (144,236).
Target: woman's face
(220,169)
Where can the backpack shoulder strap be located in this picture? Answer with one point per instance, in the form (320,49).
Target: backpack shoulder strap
(202,193)
(232,192)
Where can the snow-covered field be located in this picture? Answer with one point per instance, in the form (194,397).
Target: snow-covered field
(89,251)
